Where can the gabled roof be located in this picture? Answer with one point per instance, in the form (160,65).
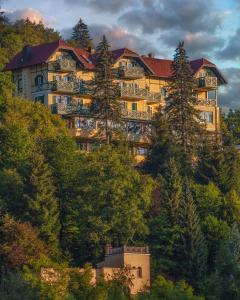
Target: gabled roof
(118,53)
(39,54)
(155,66)
(160,67)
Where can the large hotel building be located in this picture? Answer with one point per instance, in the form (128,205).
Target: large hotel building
(59,76)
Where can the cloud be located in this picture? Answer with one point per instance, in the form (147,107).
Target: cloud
(112,6)
(186,15)
(232,49)
(29,13)
(229,96)
(198,44)
(118,38)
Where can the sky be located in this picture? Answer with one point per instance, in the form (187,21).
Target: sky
(210,28)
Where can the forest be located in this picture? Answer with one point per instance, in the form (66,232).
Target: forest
(59,206)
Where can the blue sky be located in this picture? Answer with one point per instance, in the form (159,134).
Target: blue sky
(210,28)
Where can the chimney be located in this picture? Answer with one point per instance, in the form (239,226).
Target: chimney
(108,249)
(27,53)
(151,55)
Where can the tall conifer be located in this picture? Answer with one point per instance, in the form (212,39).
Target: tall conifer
(41,206)
(80,35)
(184,119)
(105,98)
(193,255)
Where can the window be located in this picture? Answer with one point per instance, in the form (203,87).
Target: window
(212,95)
(134,106)
(66,99)
(38,80)
(139,272)
(124,105)
(207,116)
(19,84)
(149,109)
(163,92)
(40,99)
(141,151)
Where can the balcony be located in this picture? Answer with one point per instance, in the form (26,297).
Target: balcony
(64,109)
(131,72)
(136,115)
(64,65)
(207,102)
(69,87)
(86,87)
(138,93)
(207,82)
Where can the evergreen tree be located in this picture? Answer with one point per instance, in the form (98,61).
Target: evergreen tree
(184,119)
(80,35)
(41,205)
(193,254)
(105,102)
(163,147)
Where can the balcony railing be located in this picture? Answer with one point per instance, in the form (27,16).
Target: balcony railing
(208,102)
(208,82)
(139,93)
(65,65)
(139,115)
(131,72)
(64,109)
(86,87)
(62,86)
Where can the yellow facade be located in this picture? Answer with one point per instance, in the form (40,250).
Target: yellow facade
(141,94)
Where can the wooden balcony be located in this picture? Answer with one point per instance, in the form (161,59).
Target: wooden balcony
(141,94)
(64,109)
(208,82)
(207,102)
(136,115)
(64,65)
(131,72)
(68,87)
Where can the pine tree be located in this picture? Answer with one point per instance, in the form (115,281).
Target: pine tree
(184,119)
(41,206)
(163,147)
(80,35)
(173,191)
(193,255)
(105,99)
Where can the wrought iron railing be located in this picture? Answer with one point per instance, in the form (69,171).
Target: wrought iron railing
(65,86)
(207,81)
(139,115)
(62,109)
(65,65)
(139,93)
(131,72)
(208,102)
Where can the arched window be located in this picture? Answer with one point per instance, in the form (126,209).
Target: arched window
(139,272)
(38,80)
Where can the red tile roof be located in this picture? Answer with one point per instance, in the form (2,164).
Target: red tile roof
(39,54)
(157,67)
(160,67)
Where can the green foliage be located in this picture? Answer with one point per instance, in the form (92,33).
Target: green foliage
(208,199)
(105,98)
(193,255)
(166,290)
(232,121)
(184,119)
(80,35)
(110,206)
(41,206)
